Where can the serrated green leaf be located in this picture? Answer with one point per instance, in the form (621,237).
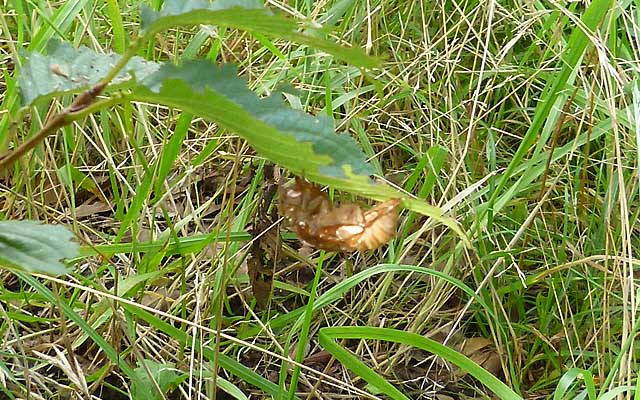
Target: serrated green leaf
(295,139)
(33,247)
(69,70)
(250,16)
(302,143)
(164,375)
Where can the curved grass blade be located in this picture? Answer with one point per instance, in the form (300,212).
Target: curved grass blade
(327,337)
(335,293)
(571,377)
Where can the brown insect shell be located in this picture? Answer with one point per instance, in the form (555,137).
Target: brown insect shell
(337,228)
(346,214)
(380,225)
(302,202)
(377,227)
(347,228)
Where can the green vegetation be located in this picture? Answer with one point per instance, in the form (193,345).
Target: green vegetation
(152,132)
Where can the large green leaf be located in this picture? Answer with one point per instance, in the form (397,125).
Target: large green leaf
(269,124)
(250,16)
(66,69)
(33,247)
(273,128)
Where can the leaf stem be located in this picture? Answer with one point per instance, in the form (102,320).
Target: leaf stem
(73,112)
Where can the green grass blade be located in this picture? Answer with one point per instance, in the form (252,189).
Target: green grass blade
(574,52)
(108,350)
(60,23)
(336,292)
(119,42)
(184,245)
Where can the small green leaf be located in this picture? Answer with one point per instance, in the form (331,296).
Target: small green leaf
(164,375)
(70,174)
(69,70)
(33,247)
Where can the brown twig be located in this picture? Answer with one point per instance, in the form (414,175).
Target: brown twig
(54,123)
